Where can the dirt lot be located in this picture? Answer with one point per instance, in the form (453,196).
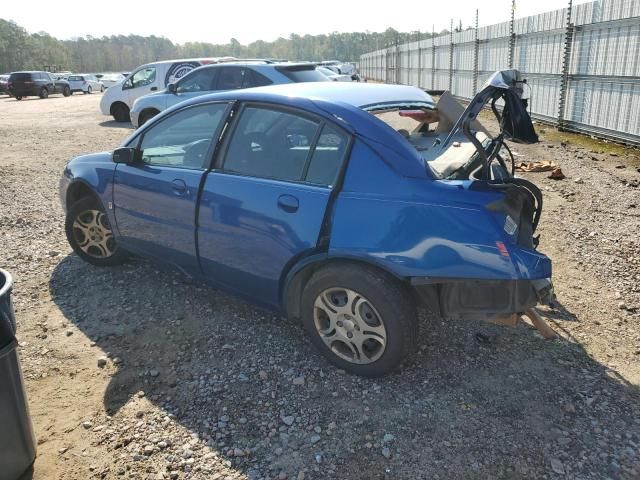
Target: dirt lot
(198,384)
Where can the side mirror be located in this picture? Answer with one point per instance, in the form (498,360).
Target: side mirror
(171,88)
(124,155)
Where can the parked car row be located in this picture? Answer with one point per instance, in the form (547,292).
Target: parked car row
(156,86)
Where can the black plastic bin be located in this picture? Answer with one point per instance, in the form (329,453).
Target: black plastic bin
(17,442)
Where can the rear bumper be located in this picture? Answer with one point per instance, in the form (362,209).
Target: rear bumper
(482,299)
(25,92)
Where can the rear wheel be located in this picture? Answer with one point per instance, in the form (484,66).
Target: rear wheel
(18,97)
(44,93)
(89,234)
(66,91)
(89,90)
(120,112)
(361,319)
(101,88)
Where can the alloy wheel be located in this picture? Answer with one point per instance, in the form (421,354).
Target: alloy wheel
(349,325)
(92,233)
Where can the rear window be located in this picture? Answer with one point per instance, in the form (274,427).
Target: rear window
(75,78)
(303,73)
(20,76)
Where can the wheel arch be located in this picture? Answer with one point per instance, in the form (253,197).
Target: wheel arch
(77,190)
(145,112)
(292,283)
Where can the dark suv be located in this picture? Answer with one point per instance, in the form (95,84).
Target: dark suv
(41,84)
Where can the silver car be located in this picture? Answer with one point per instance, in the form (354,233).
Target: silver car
(85,83)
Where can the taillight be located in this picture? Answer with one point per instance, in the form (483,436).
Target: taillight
(28,82)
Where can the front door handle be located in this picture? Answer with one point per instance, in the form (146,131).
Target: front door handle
(288,203)
(179,187)
(153,89)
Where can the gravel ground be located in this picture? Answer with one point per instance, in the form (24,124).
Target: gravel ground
(134,372)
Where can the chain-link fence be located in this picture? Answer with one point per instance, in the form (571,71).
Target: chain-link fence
(582,64)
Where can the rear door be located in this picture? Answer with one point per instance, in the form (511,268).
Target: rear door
(265,203)
(155,199)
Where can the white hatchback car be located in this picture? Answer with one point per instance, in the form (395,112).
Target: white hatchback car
(85,83)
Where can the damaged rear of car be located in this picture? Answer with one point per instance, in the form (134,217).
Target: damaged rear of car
(463,235)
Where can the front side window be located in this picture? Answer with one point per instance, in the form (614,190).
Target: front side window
(271,144)
(197,81)
(143,77)
(183,139)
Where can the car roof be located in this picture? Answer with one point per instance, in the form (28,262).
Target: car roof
(366,96)
(200,59)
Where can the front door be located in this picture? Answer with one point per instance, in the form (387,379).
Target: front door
(142,82)
(265,205)
(155,198)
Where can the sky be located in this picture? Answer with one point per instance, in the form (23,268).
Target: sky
(250,20)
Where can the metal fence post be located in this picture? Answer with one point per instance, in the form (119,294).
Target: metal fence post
(433,57)
(476,50)
(451,58)
(566,60)
(512,35)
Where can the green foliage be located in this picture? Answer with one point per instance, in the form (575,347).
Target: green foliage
(20,50)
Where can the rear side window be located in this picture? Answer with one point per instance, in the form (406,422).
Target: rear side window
(270,144)
(75,78)
(230,78)
(255,79)
(327,157)
(303,74)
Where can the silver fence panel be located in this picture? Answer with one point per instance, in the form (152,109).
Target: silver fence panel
(599,87)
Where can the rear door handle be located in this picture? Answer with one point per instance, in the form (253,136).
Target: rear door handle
(288,203)
(153,89)
(179,187)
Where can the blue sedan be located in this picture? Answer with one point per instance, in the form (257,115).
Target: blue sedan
(333,203)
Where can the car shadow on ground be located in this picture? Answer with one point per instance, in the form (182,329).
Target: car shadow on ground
(230,373)
(114,124)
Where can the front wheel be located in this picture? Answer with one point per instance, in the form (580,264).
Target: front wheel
(89,90)
(44,93)
(66,91)
(361,319)
(120,112)
(101,88)
(89,234)
(18,97)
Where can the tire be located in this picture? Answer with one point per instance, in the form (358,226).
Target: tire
(380,303)
(89,90)
(89,234)
(18,98)
(44,93)
(146,116)
(101,88)
(66,91)
(120,112)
